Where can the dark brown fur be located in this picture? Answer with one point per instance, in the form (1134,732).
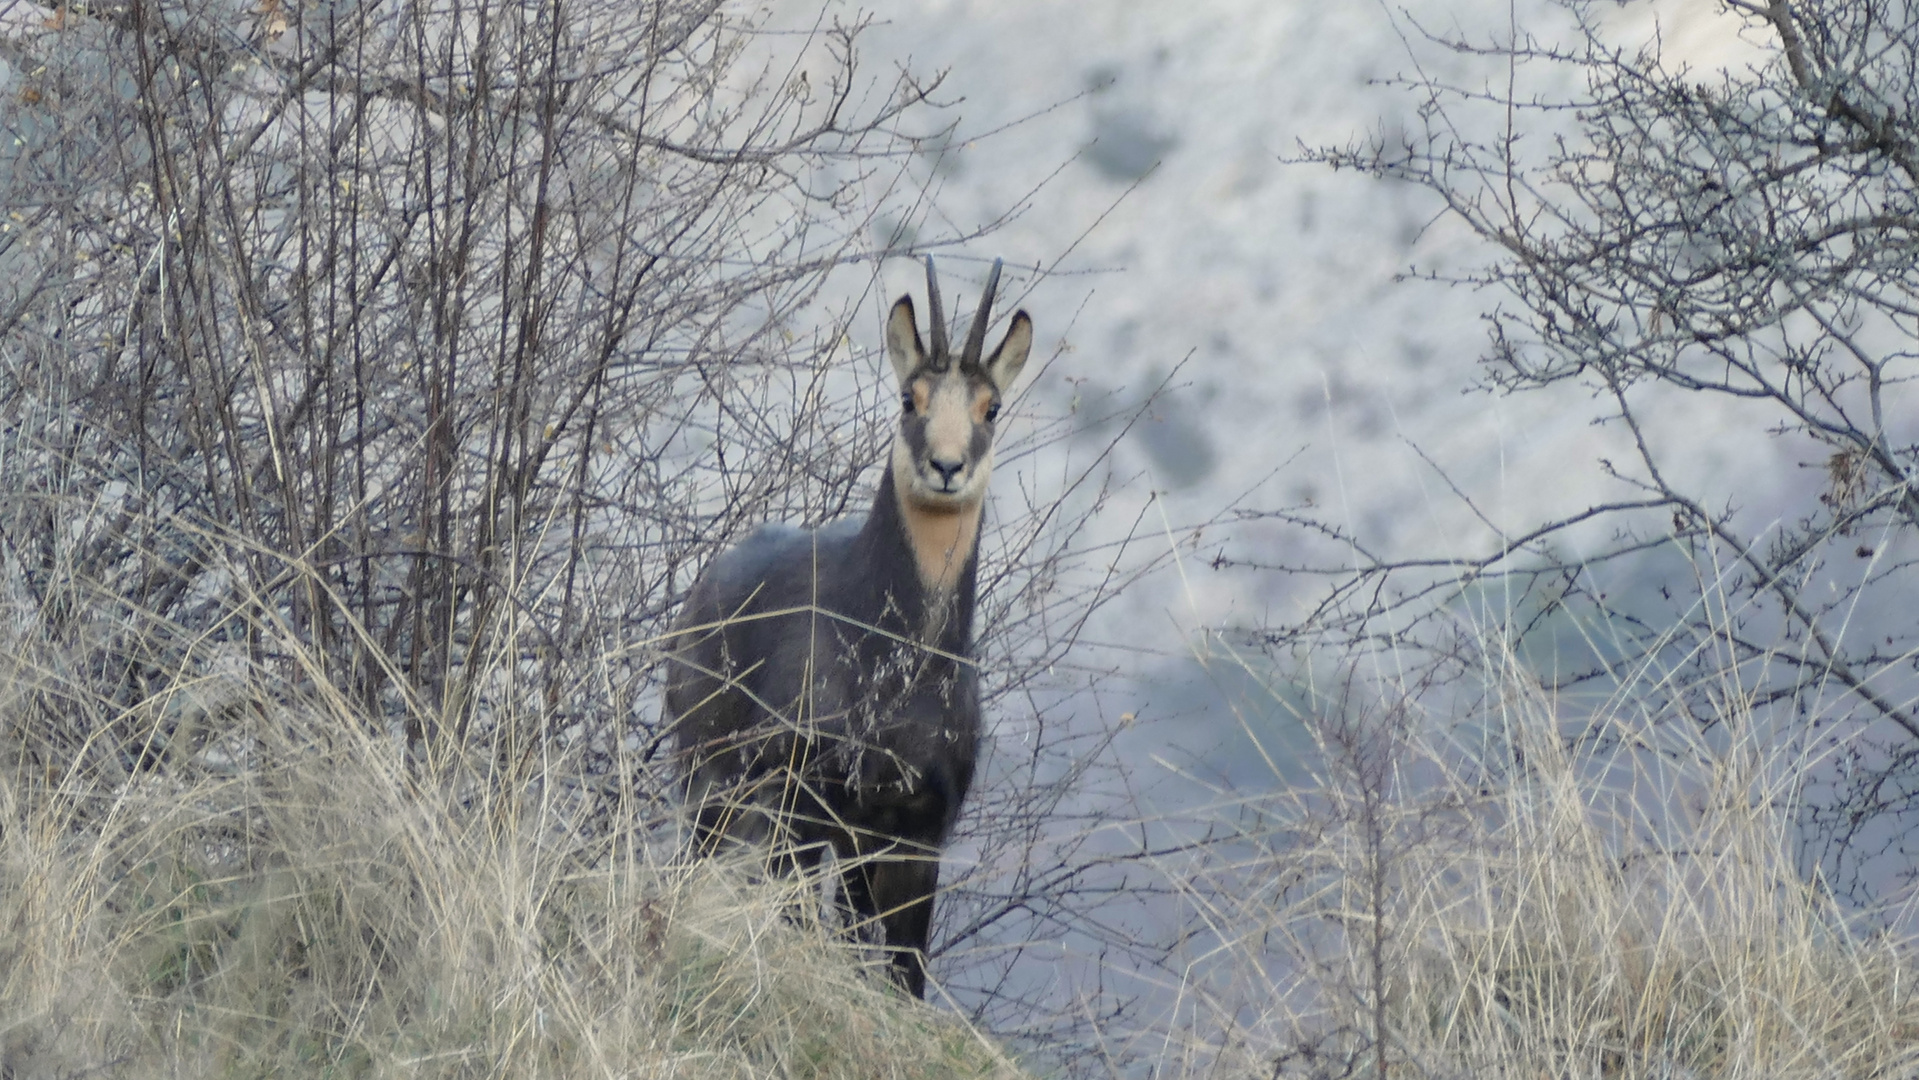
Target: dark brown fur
(822,691)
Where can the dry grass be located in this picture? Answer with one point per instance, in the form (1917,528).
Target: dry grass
(1522,909)
(278,893)
(1559,944)
(318,914)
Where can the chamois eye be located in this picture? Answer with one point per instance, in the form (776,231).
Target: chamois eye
(906,401)
(992,412)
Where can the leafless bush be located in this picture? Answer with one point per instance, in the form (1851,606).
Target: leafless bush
(439,336)
(399,365)
(1734,244)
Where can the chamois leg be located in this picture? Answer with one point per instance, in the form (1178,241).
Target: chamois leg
(893,892)
(856,891)
(727,810)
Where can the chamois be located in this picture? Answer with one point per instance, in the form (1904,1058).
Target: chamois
(822,689)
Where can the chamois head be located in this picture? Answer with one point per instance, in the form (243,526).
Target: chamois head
(943,453)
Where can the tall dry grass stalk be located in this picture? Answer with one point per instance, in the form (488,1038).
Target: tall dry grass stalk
(1536,893)
(291,900)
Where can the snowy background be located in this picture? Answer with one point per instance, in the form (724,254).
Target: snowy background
(1138,154)
(1142,150)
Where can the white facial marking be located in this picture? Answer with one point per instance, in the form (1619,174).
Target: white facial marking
(944,474)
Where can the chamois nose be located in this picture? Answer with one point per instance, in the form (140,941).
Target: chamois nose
(947,470)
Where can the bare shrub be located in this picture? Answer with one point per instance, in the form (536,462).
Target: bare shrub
(435,336)
(395,368)
(1730,246)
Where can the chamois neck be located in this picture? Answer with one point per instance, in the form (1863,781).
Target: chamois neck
(943,542)
(930,562)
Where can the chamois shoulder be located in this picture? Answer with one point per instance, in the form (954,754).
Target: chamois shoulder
(771,561)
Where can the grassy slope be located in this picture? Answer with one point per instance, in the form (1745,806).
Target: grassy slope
(314,914)
(1503,904)
(312,919)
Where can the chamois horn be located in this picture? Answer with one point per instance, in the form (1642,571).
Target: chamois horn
(976,337)
(937,314)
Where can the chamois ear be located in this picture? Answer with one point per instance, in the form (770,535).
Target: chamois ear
(1007,360)
(903,340)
